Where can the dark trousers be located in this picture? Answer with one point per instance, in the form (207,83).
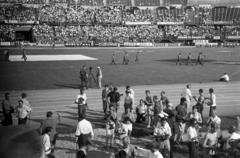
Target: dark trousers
(83,140)
(53,142)
(81,110)
(8,117)
(211,109)
(125,61)
(115,105)
(140,118)
(193,149)
(84,80)
(199,62)
(189,62)
(113,61)
(178,62)
(22,121)
(223,80)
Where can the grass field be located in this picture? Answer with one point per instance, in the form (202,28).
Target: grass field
(156,66)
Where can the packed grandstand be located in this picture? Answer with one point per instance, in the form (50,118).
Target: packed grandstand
(120,22)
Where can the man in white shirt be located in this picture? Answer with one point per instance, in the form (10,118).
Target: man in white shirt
(84,131)
(128,88)
(22,113)
(224,78)
(25,101)
(212,101)
(99,77)
(217,121)
(186,93)
(46,140)
(192,139)
(81,100)
(152,153)
(163,132)
(233,135)
(210,141)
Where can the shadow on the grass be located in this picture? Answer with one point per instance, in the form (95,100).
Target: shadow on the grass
(74,86)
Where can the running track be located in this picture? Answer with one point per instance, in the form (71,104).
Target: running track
(62,100)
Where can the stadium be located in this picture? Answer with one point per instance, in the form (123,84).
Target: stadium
(156,45)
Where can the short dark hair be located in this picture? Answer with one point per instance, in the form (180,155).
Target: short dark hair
(183,100)
(147,91)
(194,107)
(122,154)
(105,85)
(193,120)
(127,87)
(6,94)
(20,101)
(163,92)
(201,90)
(211,90)
(115,88)
(48,129)
(49,114)
(24,95)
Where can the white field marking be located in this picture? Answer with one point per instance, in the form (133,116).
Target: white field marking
(152,89)
(51,57)
(134,47)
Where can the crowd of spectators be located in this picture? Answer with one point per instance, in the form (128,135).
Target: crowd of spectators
(7,32)
(231,30)
(44,34)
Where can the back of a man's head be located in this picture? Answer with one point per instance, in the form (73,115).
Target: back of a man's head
(82,116)
(20,142)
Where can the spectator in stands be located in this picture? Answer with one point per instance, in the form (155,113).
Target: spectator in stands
(224,78)
(20,142)
(25,101)
(7,109)
(50,122)
(22,113)
(84,131)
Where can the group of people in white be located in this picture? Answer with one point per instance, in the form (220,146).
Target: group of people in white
(166,122)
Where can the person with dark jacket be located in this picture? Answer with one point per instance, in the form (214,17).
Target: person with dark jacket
(114,98)
(83,77)
(7,109)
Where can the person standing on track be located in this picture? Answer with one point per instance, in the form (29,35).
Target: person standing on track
(83,76)
(189,59)
(136,60)
(24,55)
(25,101)
(7,109)
(125,59)
(105,92)
(81,100)
(200,58)
(186,93)
(212,101)
(99,77)
(113,60)
(179,59)
(114,98)
(22,112)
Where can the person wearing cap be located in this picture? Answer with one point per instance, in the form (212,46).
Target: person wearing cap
(192,139)
(224,78)
(187,94)
(141,110)
(210,142)
(152,153)
(128,101)
(99,77)
(196,115)
(22,113)
(84,131)
(81,101)
(105,92)
(162,133)
(114,98)
(7,109)
(50,122)
(212,101)
(83,76)
(181,114)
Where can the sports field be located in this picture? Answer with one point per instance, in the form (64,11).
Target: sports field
(53,85)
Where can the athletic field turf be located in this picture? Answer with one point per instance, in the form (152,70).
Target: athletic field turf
(53,85)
